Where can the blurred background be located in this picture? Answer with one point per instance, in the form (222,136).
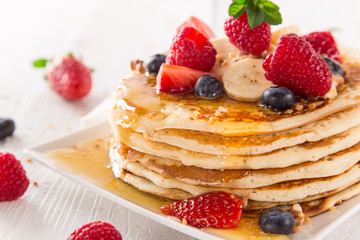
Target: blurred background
(106,35)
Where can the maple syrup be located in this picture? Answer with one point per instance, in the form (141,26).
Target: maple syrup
(89,160)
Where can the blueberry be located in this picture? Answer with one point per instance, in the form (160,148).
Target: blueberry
(209,87)
(154,63)
(334,66)
(7,127)
(277,221)
(278,98)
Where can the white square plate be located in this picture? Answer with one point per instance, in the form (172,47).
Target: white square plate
(319,227)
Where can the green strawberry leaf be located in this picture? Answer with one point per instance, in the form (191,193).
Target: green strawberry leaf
(270,7)
(255,14)
(40,63)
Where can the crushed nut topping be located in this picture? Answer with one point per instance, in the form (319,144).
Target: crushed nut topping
(138,66)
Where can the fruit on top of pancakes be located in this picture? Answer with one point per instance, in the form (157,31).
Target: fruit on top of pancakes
(208,87)
(200,26)
(190,48)
(324,43)
(297,66)
(278,98)
(248,26)
(334,66)
(178,80)
(214,209)
(277,221)
(244,80)
(154,63)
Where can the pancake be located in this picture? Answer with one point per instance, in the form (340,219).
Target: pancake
(221,145)
(137,105)
(276,159)
(309,208)
(328,166)
(279,192)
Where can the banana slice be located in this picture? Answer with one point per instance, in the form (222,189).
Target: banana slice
(227,54)
(244,80)
(275,35)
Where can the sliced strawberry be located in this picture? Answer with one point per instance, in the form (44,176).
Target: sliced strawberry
(177,79)
(200,26)
(215,209)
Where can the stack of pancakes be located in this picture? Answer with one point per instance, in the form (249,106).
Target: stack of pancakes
(182,146)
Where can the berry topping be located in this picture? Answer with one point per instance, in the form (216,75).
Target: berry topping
(324,43)
(278,98)
(334,66)
(216,209)
(295,65)
(154,63)
(13,180)
(7,128)
(96,231)
(277,221)
(178,80)
(190,48)
(253,41)
(208,87)
(68,76)
(199,25)
(248,27)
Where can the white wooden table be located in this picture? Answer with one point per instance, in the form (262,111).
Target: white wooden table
(107,35)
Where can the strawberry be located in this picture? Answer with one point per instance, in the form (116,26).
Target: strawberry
(324,43)
(248,26)
(295,65)
(68,76)
(13,180)
(96,231)
(178,80)
(215,209)
(190,48)
(199,25)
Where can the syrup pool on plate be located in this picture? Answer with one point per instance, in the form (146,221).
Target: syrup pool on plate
(89,160)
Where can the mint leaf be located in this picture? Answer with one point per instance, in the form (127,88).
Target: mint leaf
(273,18)
(237,8)
(40,63)
(270,7)
(255,14)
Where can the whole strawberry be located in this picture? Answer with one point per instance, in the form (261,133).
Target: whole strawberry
(215,209)
(324,43)
(96,231)
(68,76)
(13,180)
(297,66)
(248,26)
(190,48)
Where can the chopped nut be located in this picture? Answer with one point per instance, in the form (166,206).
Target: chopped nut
(311,106)
(138,66)
(219,58)
(184,221)
(298,107)
(289,111)
(224,63)
(28,160)
(195,115)
(307,220)
(299,216)
(35,183)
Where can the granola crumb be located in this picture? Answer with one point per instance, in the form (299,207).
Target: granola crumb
(298,107)
(35,183)
(307,220)
(28,160)
(289,111)
(184,221)
(195,115)
(138,66)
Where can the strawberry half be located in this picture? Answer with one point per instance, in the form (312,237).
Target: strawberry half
(199,25)
(215,209)
(178,80)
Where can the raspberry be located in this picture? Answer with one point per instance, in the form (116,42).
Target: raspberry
(216,209)
(253,41)
(69,77)
(13,180)
(324,43)
(192,49)
(295,65)
(96,231)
